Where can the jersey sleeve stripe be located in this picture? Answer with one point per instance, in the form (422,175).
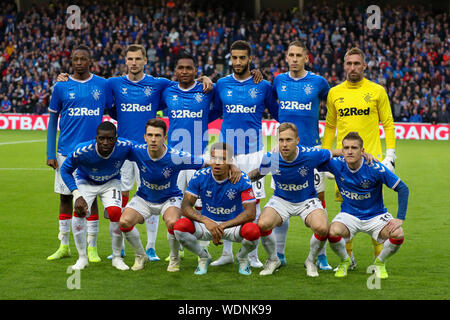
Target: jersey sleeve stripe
(396,184)
(195,195)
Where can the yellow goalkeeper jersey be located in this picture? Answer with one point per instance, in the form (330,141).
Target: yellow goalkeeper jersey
(359,107)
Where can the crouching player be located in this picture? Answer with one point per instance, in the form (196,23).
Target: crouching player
(98,164)
(361,187)
(227,212)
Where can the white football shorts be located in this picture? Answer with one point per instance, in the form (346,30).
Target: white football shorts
(287,209)
(109,193)
(60,186)
(372,226)
(231,234)
(147,208)
(129,173)
(249,162)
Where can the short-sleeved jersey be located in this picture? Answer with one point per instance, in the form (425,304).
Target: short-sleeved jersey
(91,166)
(361,189)
(221,200)
(299,103)
(136,102)
(294,180)
(243,104)
(359,107)
(159,176)
(188,111)
(81,104)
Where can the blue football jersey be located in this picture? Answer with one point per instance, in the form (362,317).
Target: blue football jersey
(243,104)
(81,105)
(294,180)
(299,103)
(188,112)
(135,102)
(362,189)
(159,176)
(221,200)
(91,166)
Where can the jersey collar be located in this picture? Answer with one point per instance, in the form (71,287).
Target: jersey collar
(355,171)
(165,152)
(296,156)
(188,89)
(98,153)
(296,79)
(355,85)
(128,78)
(82,81)
(241,81)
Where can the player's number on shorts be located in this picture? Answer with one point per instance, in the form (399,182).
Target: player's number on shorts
(385,218)
(117,195)
(312,202)
(259,184)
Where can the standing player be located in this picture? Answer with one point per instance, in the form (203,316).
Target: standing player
(81,102)
(98,164)
(292,168)
(361,187)
(299,93)
(227,212)
(242,102)
(359,105)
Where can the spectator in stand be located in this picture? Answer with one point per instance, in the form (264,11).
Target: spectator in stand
(6,105)
(415,116)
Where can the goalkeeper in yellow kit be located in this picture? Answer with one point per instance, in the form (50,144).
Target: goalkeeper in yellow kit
(359,104)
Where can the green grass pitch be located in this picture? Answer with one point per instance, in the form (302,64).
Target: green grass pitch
(29,228)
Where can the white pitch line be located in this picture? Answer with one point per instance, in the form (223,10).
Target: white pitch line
(17,142)
(26,169)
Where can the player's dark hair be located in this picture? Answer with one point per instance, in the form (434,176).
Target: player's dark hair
(185,55)
(353,135)
(134,48)
(299,44)
(222,146)
(241,45)
(158,123)
(288,125)
(82,47)
(107,126)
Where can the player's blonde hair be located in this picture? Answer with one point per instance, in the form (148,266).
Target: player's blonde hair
(355,50)
(288,125)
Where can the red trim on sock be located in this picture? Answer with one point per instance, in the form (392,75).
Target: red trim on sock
(124,201)
(126,229)
(265,233)
(170,231)
(65,216)
(92,217)
(77,215)
(334,239)
(319,237)
(324,204)
(258,201)
(396,241)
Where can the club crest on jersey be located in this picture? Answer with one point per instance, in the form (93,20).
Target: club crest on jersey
(148,91)
(231,194)
(367,97)
(365,184)
(71,95)
(167,172)
(198,97)
(303,171)
(253,92)
(308,89)
(96,94)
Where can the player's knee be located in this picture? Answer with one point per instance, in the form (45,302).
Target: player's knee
(114,213)
(334,231)
(397,234)
(184,225)
(321,230)
(250,231)
(264,225)
(125,223)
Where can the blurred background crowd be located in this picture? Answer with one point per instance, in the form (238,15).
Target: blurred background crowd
(409,55)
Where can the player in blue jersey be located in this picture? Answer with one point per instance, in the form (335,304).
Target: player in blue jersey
(158,193)
(299,93)
(242,102)
(363,210)
(227,212)
(80,102)
(97,164)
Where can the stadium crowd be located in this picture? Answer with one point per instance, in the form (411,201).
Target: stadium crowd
(409,55)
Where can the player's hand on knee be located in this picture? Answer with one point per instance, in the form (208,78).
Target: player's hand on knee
(81,206)
(62,77)
(393,225)
(52,163)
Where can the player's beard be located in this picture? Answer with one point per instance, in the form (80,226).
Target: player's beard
(244,70)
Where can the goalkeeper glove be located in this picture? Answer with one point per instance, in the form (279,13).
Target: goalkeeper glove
(389,161)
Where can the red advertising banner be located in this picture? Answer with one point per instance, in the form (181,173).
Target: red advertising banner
(408,131)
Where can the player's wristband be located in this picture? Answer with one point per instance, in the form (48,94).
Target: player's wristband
(76,194)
